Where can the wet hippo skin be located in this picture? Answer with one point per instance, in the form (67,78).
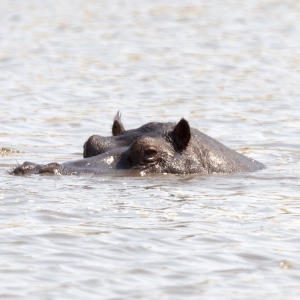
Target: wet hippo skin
(171,148)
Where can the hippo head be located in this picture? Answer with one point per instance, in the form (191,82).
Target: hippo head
(97,144)
(151,148)
(172,148)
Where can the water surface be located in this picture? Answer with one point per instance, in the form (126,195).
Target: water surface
(230,68)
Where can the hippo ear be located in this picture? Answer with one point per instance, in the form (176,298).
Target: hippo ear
(181,134)
(117,127)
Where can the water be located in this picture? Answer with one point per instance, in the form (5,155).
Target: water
(230,68)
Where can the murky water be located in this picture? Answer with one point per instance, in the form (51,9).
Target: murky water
(231,68)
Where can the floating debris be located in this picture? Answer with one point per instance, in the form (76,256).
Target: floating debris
(8,151)
(285,264)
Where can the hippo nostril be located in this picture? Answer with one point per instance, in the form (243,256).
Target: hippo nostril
(97,144)
(84,150)
(92,146)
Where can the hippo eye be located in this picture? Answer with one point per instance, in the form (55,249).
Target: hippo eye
(150,155)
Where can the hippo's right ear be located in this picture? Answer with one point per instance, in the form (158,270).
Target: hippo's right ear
(181,134)
(117,127)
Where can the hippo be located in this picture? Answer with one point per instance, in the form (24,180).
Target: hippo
(168,148)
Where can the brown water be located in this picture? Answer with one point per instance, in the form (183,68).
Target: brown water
(231,68)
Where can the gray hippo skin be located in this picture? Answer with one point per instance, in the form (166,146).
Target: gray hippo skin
(152,148)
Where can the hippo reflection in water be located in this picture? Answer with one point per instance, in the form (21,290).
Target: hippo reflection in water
(152,148)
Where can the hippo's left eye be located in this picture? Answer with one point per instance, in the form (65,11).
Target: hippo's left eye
(150,154)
